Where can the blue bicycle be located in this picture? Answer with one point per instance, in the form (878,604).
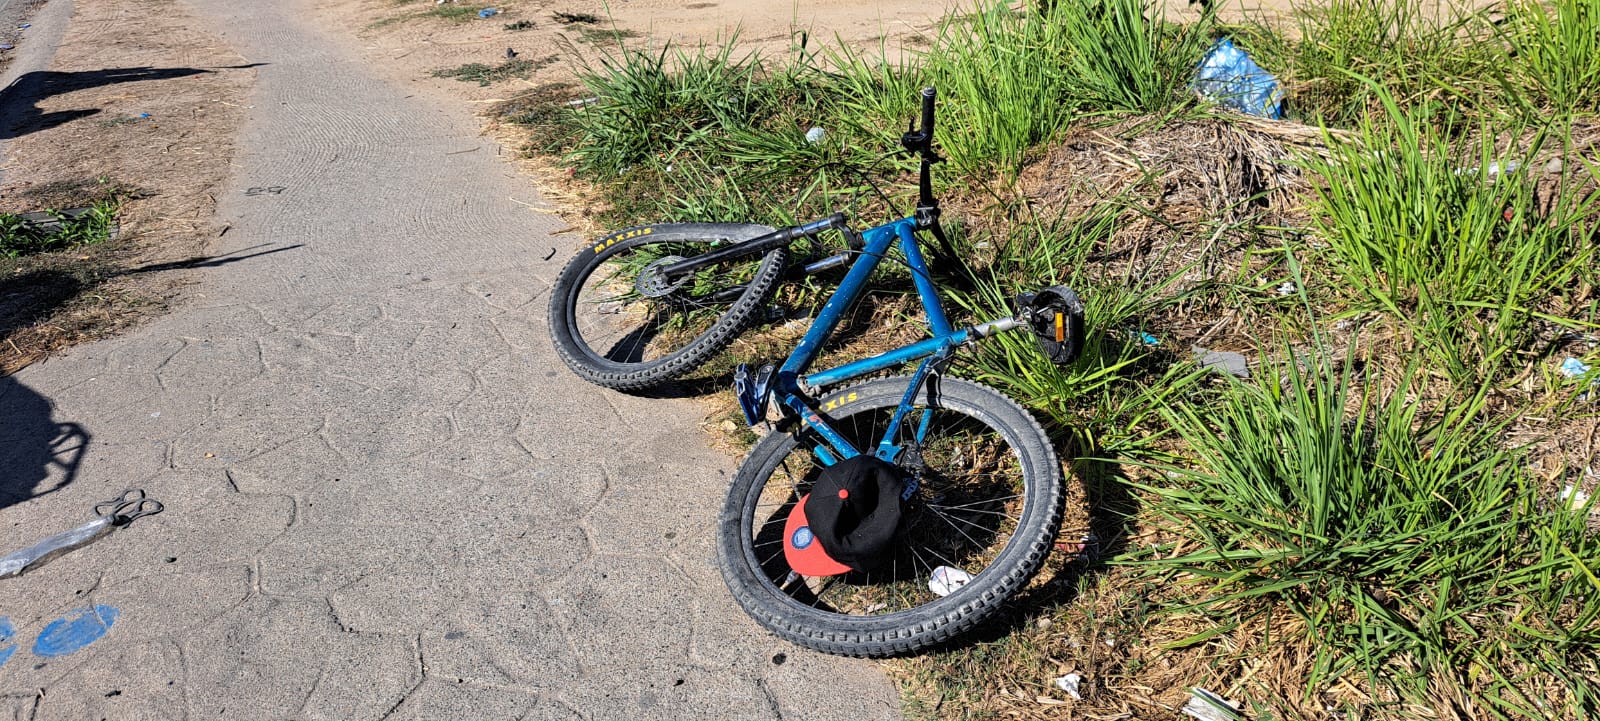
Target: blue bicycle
(874,519)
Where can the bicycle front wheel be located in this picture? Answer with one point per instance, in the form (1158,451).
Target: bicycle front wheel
(617,322)
(987,506)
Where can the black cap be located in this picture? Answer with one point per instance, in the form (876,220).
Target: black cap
(854,511)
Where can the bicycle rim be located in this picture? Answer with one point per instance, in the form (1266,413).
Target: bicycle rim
(624,315)
(971,499)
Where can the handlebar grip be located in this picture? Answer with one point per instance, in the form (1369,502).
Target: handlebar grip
(928,94)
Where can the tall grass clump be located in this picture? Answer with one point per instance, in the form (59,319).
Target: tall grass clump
(1126,57)
(1553,51)
(1454,239)
(1396,542)
(703,134)
(655,101)
(1096,401)
(1016,77)
(1421,51)
(1000,74)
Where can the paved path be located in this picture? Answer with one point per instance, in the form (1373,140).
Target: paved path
(385,497)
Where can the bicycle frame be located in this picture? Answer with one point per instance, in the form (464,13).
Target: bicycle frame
(791,375)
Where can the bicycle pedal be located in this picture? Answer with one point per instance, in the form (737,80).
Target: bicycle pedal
(755,393)
(1055,315)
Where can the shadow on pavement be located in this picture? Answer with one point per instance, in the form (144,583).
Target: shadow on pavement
(209,261)
(19,100)
(33,447)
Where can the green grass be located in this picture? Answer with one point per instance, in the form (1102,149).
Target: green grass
(602,36)
(453,12)
(1092,401)
(1553,58)
(485,74)
(1123,59)
(1410,543)
(19,236)
(519,26)
(1472,264)
(1418,51)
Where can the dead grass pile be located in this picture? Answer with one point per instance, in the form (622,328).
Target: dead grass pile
(1202,170)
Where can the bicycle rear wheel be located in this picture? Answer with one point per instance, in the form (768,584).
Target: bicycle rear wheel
(988,504)
(618,323)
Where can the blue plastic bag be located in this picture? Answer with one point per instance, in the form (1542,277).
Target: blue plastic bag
(1228,76)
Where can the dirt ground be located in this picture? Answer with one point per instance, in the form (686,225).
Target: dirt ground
(139,100)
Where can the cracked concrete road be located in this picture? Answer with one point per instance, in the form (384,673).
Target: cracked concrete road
(385,497)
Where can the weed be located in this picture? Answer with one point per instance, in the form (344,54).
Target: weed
(519,25)
(1000,73)
(1554,54)
(1449,238)
(120,120)
(452,12)
(1409,544)
(1123,59)
(484,75)
(23,236)
(1418,51)
(566,18)
(597,36)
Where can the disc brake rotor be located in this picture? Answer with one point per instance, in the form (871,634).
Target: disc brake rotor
(652,283)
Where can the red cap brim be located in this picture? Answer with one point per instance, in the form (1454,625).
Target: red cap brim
(808,558)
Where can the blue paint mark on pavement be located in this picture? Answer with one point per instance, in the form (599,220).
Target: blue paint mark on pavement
(72,632)
(7,632)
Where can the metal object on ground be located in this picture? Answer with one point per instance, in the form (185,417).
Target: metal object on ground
(115,513)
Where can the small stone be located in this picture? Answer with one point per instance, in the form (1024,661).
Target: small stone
(1228,362)
(1554,166)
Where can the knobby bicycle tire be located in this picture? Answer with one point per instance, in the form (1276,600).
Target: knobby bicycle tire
(756,573)
(621,365)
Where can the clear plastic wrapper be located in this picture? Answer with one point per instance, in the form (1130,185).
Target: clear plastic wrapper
(52,546)
(117,512)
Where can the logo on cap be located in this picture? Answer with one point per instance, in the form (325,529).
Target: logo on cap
(802,537)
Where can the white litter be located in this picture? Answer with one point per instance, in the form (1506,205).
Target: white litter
(1208,706)
(815,135)
(1575,499)
(1069,683)
(946,580)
